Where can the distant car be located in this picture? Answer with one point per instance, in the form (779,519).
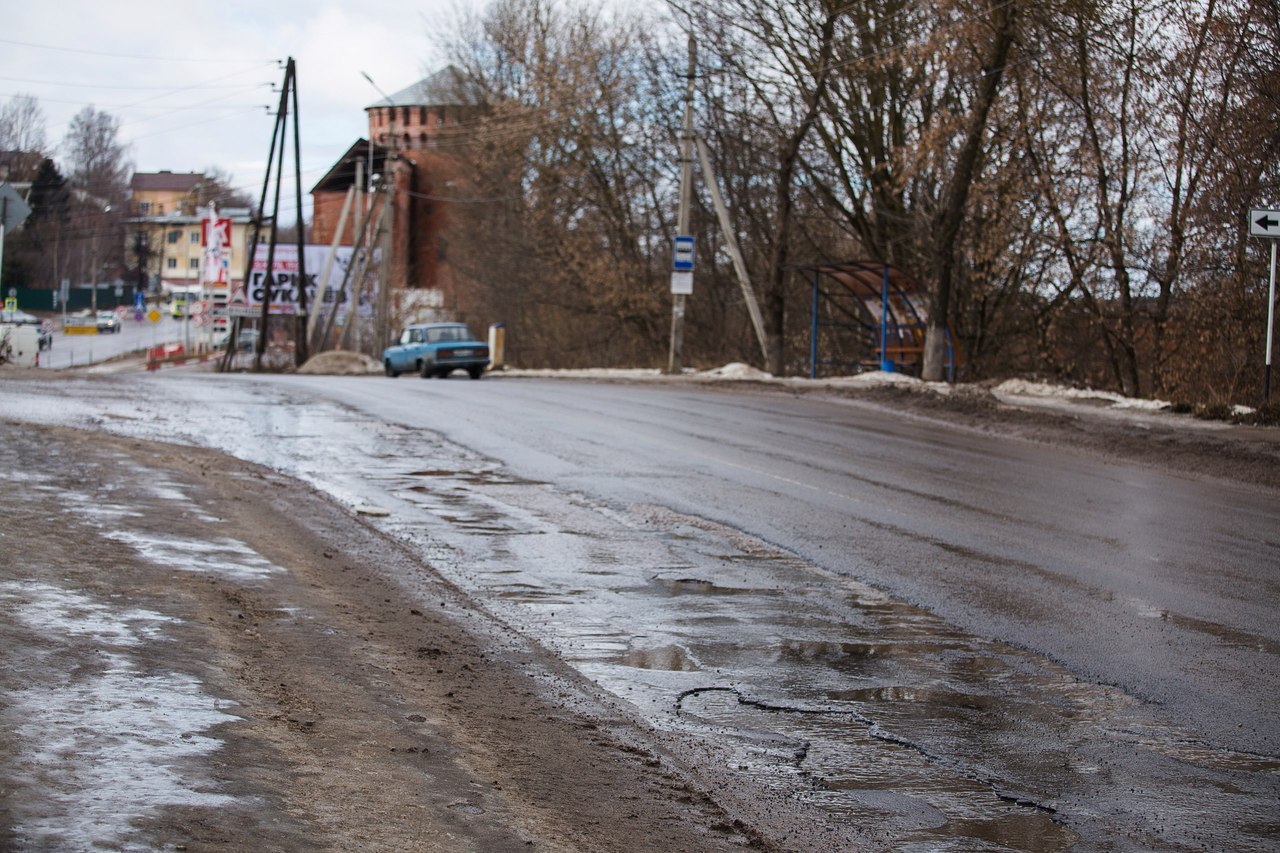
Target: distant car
(246,340)
(22,318)
(436,349)
(108,322)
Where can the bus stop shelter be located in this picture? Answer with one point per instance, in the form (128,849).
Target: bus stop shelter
(882,304)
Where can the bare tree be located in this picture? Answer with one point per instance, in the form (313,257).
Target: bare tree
(950,215)
(99,173)
(555,229)
(96,159)
(22,138)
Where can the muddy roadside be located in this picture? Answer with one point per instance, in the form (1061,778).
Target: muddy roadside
(203,654)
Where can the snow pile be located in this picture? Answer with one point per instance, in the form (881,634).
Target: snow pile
(1024,388)
(736,370)
(341,363)
(885,379)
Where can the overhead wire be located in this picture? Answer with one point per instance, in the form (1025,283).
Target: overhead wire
(196,59)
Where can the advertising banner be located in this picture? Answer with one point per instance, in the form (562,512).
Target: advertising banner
(246,300)
(216,237)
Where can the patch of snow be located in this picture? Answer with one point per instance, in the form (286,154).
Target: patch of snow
(107,744)
(41,605)
(736,370)
(1025,388)
(883,379)
(341,363)
(224,556)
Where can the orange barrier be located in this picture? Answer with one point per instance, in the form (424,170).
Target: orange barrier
(158,357)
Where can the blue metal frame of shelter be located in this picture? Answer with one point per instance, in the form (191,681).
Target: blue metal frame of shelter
(901,324)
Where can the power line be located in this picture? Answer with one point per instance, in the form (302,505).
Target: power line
(83,52)
(101,85)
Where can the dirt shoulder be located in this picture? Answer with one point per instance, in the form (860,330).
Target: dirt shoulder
(358,701)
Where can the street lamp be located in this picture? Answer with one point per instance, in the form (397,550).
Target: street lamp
(392,125)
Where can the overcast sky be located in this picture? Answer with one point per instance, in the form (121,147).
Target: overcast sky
(189,81)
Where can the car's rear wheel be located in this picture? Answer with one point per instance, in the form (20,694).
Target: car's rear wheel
(475,372)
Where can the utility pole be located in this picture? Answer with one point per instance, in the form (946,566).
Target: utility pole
(301,352)
(731,243)
(681,283)
(382,314)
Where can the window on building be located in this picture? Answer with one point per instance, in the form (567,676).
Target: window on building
(195,238)
(171,263)
(194,263)
(404,115)
(174,236)
(144,207)
(422,115)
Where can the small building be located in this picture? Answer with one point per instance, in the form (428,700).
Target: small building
(170,248)
(164,192)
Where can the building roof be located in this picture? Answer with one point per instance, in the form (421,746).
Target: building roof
(448,87)
(165,180)
(343,173)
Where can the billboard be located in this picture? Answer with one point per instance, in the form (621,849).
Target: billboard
(245,299)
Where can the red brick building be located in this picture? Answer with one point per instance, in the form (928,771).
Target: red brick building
(405,132)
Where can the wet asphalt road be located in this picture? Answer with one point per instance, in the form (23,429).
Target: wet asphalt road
(1161,584)
(972,641)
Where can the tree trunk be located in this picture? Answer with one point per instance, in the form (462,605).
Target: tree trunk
(775,299)
(951,215)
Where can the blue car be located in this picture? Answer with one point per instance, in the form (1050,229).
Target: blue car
(436,349)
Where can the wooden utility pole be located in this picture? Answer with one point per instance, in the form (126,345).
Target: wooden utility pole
(300,350)
(275,161)
(731,243)
(382,313)
(675,361)
(322,285)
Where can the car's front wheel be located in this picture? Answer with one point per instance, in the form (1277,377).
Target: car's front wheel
(387,368)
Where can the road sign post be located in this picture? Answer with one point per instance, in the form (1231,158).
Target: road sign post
(1266,223)
(1271,312)
(13,212)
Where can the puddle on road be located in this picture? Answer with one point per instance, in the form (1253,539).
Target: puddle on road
(807,683)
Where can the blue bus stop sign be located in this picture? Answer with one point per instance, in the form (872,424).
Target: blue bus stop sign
(682,261)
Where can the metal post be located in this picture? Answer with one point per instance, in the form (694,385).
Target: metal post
(813,338)
(676,356)
(1271,313)
(884,321)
